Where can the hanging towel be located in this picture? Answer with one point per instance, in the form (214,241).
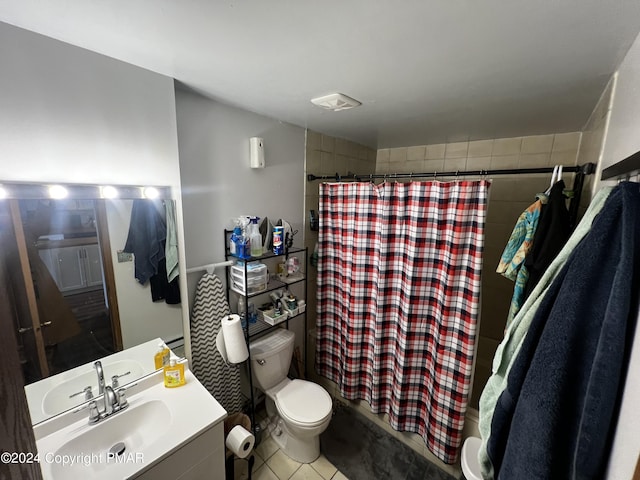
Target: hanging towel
(171,245)
(147,232)
(557,416)
(517,330)
(209,308)
(511,264)
(554,229)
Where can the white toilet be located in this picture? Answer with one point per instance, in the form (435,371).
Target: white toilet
(469,458)
(301,410)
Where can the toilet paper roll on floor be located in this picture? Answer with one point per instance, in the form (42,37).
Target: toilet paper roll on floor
(230,340)
(240,441)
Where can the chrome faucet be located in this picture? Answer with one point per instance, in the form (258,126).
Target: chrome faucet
(110,401)
(113,403)
(98,367)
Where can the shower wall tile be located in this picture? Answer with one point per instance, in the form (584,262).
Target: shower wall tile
(435,152)
(506,146)
(537,144)
(382,167)
(398,155)
(566,142)
(342,146)
(411,166)
(363,152)
(505,161)
(479,163)
(328,143)
(416,153)
(434,165)
(503,189)
(456,150)
(343,163)
(480,148)
(314,141)
(534,160)
(328,163)
(383,155)
(454,164)
(564,158)
(313,163)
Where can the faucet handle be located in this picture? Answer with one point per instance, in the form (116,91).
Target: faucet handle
(88,394)
(115,383)
(94,413)
(122,398)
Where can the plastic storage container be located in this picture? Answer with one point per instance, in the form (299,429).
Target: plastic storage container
(256,281)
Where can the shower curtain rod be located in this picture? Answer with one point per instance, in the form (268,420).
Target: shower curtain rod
(586,169)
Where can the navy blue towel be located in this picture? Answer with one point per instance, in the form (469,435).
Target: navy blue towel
(147,234)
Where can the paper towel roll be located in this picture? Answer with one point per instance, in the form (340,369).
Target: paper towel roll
(234,342)
(240,441)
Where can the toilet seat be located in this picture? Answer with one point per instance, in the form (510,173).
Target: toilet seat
(303,403)
(469,459)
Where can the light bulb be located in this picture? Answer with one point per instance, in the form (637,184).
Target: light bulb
(151,192)
(109,192)
(58,191)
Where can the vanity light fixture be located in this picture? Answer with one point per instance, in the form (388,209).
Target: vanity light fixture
(58,192)
(336,102)
(108,191)
(150,192)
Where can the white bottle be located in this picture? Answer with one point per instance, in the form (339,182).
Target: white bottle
(254,237)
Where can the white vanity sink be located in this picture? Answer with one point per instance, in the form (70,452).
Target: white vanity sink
(133,429)
(158,424)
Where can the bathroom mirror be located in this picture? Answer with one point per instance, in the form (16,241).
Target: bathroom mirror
(75,293)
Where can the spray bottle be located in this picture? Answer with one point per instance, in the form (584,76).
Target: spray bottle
(254,237)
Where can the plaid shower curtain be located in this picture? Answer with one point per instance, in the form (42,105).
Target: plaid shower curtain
(398,299)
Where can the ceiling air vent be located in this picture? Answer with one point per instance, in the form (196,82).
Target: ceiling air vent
(335,102)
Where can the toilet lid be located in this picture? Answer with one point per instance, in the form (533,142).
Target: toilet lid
(304,402)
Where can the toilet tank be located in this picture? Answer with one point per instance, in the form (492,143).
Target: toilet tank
(275,350)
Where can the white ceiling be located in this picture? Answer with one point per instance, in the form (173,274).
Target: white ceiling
(425,71)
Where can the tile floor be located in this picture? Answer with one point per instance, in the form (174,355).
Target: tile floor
(272,464)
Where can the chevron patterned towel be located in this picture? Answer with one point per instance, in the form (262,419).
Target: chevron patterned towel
(222,380)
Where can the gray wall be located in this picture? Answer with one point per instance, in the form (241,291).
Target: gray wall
(217,181)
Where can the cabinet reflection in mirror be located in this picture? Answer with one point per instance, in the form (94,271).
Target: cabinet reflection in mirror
(75,296)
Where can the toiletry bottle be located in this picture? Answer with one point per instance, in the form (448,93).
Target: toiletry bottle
(277,240)
(174,375)
(233,241)
(254,237)
(161,358)
(243,247)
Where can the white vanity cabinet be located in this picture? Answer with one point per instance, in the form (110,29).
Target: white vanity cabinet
(74,267)
(202,458)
